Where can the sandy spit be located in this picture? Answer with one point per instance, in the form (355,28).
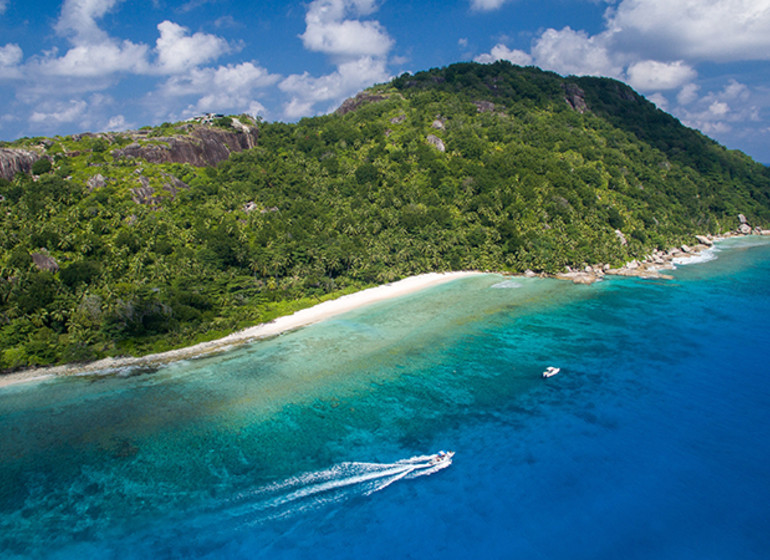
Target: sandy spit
(281,325)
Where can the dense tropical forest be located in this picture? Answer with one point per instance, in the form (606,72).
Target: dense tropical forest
(104,251)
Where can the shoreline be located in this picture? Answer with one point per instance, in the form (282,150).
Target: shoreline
(298,319)
(654,265)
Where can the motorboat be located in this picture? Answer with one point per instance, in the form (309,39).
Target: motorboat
(442,457)
(550,371)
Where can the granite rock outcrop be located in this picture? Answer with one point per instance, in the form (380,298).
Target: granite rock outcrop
(204,145)
(13,161)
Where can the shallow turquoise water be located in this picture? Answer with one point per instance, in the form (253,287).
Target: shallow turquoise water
(650,443)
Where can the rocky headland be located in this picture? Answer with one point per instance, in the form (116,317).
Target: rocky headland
(655,265)
(199,142)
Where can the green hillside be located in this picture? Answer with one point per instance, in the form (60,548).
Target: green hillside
(490,167)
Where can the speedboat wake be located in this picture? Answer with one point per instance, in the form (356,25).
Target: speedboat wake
(291,497)
(335,484)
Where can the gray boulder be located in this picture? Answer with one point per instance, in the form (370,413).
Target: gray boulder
(436,142)
(96,182)
(13,161)
(704,240)
(44,262)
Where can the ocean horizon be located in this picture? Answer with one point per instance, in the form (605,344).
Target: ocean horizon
(649,443)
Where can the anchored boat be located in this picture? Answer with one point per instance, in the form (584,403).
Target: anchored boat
(551,371)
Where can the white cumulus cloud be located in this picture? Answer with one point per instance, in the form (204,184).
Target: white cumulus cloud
(719,108)
(243,77)
(10,55)
(486,5)
(296,108)
(117,123)
(92,61)
(230,88)
(328,31)
(655,44)
(60,112)
(358,49)
(721,111)
(567,51)
(78,20)
(349,78)
(501,52)
(94,54)
(92,113)
(52,84)
(178,51)
(651,75)
(734,90)
(687,94)
(715,30)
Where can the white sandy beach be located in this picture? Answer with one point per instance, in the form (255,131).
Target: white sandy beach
(338,306)
(299,319)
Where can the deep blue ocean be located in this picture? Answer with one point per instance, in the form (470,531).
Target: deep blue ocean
(653,442)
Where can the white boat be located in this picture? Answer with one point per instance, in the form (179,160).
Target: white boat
(550,371)
(442,457)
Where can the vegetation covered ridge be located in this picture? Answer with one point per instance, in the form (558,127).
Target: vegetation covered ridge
(109,246)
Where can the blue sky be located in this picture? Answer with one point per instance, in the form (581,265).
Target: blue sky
(89,65)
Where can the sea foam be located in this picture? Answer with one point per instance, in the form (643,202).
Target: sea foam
(707,255)
(507,284)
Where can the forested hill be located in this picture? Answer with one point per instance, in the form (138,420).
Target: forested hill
(135,242)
